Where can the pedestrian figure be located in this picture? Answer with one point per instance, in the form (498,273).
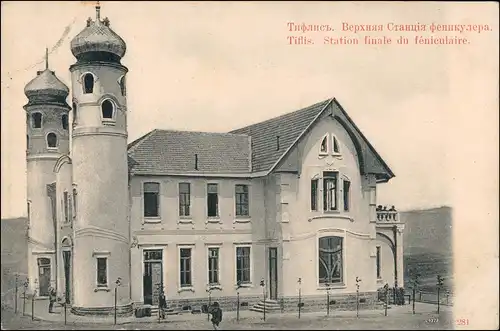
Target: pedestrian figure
(216,313)
(52,299)
(162,304)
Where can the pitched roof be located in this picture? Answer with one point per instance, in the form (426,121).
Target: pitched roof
(167,152)
(289,127)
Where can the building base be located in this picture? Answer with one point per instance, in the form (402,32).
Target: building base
(123,310)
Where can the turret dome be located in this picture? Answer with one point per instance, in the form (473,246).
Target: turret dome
(98,39)
(46,83)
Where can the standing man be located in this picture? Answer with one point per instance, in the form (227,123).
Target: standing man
(52,299)
(162,304)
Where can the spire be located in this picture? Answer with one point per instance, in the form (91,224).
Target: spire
(46,58)
(97,12)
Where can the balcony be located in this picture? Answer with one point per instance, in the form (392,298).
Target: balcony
(386,215)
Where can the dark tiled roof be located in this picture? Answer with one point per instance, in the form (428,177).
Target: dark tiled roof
(46,82)
(289,127)
(163,152)
(98,37)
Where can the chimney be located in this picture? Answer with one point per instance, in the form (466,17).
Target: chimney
(196,162)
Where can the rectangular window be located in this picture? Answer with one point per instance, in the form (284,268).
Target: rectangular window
(379,274)
(185,259)
(102,272)
(65,203)
(242,205)
(330,191)
(346,191)
(330,260)
(151,199)
(212,200)
(184,199)
(74,203)
(314,194)
(213,266)
(243,265)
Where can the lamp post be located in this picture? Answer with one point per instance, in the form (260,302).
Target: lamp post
(386,291)
(33,301)
(440,281)
(209,291)
(299,281)
(263,285)
(358,280)
(327,299)
(238,286)
(117,283)
(26,284)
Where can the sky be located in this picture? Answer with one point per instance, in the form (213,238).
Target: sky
(218,66)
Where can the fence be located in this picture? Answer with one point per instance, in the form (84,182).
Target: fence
(445,298)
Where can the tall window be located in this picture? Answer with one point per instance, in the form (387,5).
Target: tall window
(213,265)
(75,113)
(346,194)
(151,199)
(323,149)
(184,199)
(52,140)
(185,259)
(335,145)
(379,274)
(88,83)
(242,205)
(107,109)
(243,265)
(314,194)
(27,142)
(330,191)
(66,207)
(74,202)
(123,87)
(102,272)
(64,121)
(330,260)
(212,200)
(36,120)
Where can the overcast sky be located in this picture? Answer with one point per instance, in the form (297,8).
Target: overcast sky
(219,66)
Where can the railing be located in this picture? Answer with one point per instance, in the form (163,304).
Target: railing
(385,214)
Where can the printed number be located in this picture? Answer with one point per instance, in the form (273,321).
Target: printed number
(432,320)
(462,321)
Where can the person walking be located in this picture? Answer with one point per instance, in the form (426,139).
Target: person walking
(52,299)
(216,313)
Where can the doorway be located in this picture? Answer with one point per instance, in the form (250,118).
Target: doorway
(44,276)
(153,276)
(273,273)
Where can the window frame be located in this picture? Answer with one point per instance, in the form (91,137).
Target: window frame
(335,142)
(180,264)
(250,268)
(33,120)
(378,259)
(236,204)
(82,80)
(313,204)
(158,201)
(114,105)
(326,140)
(325,178)
(65,124)
(345,195)
(217,212)
(180,194)
(122,83)
(97,256)
(66,206)
(47,141)
(218,265)
(343,282)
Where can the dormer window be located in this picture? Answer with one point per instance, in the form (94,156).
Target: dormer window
(51,140)
(323,149)
(88,83)
(107,108)
(36,120)
(335,145)
(64,120)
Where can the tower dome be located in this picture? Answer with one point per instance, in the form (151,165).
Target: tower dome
(46,87)
(98,42)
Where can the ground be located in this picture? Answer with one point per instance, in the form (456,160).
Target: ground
(398,318)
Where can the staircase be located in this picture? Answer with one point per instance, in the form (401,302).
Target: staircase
(271,306)
(154,311)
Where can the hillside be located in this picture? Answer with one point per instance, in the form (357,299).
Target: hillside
(427,241)
(14,255)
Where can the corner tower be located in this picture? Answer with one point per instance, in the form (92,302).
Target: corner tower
(100,170)
(47,136)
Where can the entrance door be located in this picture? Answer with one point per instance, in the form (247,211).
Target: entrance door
(44,276)
(273,273)
(67,275)
(153,276)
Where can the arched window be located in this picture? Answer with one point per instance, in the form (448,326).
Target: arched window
(107,108)
(64,121)
(323,149)
(52,140)
(335,145)
(88,83)
(330,260)
(36,120)
(75,113)
(123,87)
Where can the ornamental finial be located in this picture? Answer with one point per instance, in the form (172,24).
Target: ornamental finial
(97,11)
(46,58)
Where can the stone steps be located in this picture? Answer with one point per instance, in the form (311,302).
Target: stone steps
(271,306)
